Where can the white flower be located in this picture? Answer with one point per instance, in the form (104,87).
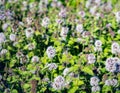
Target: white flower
(97,15)
(71,74)
(59,79)
(2,37)
(56,86)
(108,82)
(115,47)
(86,34)
(45,22)
(111,82)
(97,48)
(29,20)
(63,13)
(45,79)
(59,21)
(117,14)
(79,28)
(12,37)
(41,7)
(109,61)
(94,81)
(15,43)
(24,3)
(88,3)
(97,2)
(108,7)
(116,60)
(108,25)
(110,64)
(24,7)
(5,26)
(66,71)
(3,51)
(2,2)
(59,83)
(21,24)
(95,88)
(82,14)
(44,1)
(51,52)
(111,68)
(98,43)
(79,40)
(35,59)
(32,6)
(31,46)
(59,3)
(64,32)
(51,66)
(93,10)
(29,32)
(53,4)
(91,58)
(114,82)
(19,54)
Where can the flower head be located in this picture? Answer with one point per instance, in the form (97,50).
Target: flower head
(111,82)
(29,32)
(59,83)
(91,58)
(63,13)
(12,37)
(94,81)
(95,88)
(115,47)
(66,71)
(45,22)
(2,37)
(51,66)
(117,14)
(51,52)
(35,59)
(79,28)
(64,32)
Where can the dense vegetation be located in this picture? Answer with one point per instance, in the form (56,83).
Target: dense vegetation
(59,46)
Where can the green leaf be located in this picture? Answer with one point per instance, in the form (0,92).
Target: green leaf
(61,67)
(73,90)
(14,91)
(30,54)
(12,63)
(88,70)
(105,89)
(118,91)
(77,82)
(26,86)
(37,33)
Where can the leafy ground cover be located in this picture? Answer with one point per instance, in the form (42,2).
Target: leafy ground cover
(59,46)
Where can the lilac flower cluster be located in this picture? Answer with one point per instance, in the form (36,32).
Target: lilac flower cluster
(59,44)
(59,83)
(51,66)
(112,64)
(111,82)
(5,14)
(91,58)
(94,82)
(51,52)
